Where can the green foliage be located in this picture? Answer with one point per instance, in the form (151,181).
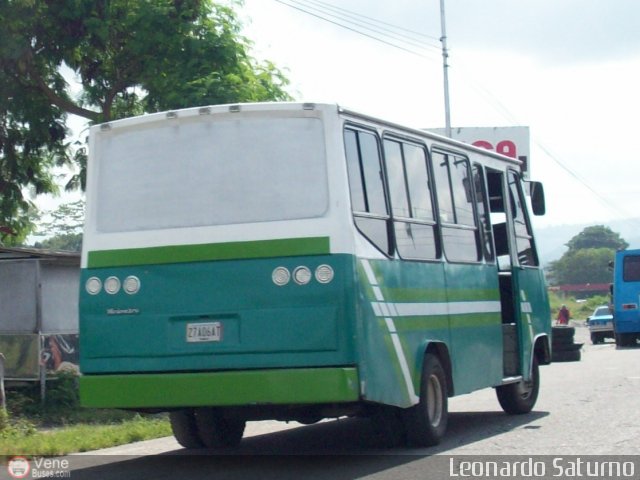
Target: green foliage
(63,226)
(68,427)
(81,438)
(597,236)
(128,57)
(580,310)
(70,242)
(588,265)
(588,257)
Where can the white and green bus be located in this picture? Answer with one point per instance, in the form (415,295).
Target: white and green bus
(299,261)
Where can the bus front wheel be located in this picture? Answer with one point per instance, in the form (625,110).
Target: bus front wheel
(426,422)
(518,398)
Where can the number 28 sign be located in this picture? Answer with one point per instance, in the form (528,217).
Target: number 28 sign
(509,141)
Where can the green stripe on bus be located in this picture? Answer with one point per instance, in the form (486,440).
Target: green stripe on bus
(285,247)
(248,387)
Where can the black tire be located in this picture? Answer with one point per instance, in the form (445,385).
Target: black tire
(218,431)
(572,347)
(596,338)
(567,356)
(426,422)
(558,333)
(625,339)
(519,398)
(561,342)
(183,425)
(388,424)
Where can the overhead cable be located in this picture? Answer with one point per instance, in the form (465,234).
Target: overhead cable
(352,26)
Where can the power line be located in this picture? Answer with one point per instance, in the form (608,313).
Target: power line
(502,109)
(354,27)
(356,22)
(350,13)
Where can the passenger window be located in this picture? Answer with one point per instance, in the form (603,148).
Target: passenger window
(454,187)
(397,180)
(524,240)
(366,183)
(480,187)
(411,204)
(418,181)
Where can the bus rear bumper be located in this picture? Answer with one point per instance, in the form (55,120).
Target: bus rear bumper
(228,388)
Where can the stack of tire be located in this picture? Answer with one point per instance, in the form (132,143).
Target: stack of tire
(563,345)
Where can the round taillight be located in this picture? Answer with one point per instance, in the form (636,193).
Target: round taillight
(131,285)
(93,286)
(324,274)
(302,275)
(112,285)
(280,276)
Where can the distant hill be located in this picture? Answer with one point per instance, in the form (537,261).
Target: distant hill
(552,240)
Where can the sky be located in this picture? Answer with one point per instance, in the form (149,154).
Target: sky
(567,69)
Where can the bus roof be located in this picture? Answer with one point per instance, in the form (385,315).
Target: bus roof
(291,106)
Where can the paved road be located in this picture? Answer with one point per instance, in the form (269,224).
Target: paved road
(589,407)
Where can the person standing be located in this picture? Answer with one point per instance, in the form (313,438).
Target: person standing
(563,316)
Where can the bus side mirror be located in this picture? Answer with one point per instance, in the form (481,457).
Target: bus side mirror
(536,191)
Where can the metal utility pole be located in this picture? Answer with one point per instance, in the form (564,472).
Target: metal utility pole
(445,65)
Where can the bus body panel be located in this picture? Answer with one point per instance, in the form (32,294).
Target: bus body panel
(534,314)
(406,306)
(626,292)
(360,337)
(263,325)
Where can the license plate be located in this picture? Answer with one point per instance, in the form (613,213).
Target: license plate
(204,332)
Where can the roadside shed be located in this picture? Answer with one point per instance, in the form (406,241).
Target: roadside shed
(38,312)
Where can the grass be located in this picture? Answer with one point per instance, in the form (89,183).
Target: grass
(28,441)
(60,426)
(580,310)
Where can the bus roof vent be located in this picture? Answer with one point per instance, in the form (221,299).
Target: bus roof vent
(204,111)
(105,127)
(234,108)
(308,106)
(172,115)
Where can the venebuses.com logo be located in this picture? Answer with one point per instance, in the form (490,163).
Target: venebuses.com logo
(18,467)
(21,467)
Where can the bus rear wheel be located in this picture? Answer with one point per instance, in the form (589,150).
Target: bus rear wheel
(218,431)
(185,429)
(625,339)
(426,422)
(518,398)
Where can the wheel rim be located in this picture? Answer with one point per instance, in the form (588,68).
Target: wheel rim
(525,389)
(434,401)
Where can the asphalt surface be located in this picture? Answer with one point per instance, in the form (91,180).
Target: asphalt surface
(590,407)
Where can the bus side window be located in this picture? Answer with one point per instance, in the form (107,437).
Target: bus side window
(524,239)
(366,183)
(498,218)
(483,211)
(631,268)
(411,203)
(457,216)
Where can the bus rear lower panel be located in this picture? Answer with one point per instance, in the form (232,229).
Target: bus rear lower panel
(262,343)
(231,388)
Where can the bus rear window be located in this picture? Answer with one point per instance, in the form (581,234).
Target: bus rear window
(631,268)
(226,171)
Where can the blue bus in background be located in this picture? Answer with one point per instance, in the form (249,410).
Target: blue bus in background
(626,297)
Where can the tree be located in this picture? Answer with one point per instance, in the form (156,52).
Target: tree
(588,257)
(597,236)
(71,242)
(62,227)
(128,58)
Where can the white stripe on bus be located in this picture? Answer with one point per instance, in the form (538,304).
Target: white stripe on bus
(397,346)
